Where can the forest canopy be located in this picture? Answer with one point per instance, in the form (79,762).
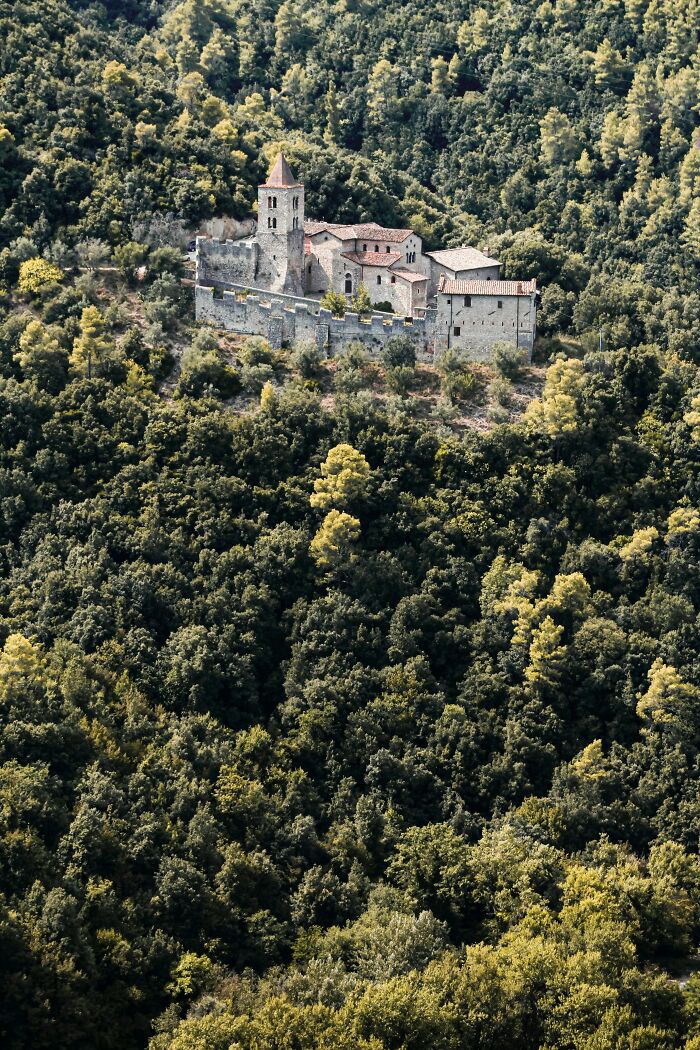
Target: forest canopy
(323,723)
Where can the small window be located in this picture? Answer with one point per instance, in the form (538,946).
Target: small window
(458,330)
(467,300)
(376,247)
(449,302)
(274,224)
(364,247)
(393,280)
(348,283)
(500,304)
(379,280)
(269,223)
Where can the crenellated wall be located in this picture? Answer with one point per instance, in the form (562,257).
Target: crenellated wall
(226,263)
(304,319)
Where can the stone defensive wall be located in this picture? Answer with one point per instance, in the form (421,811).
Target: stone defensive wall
(225,263)
(285,319)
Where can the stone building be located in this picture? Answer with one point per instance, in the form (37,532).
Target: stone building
(473,315)
(457,292)
(273,259)
(461,264)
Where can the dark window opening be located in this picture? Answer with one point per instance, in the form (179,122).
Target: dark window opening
(348,283)
(500,304)
(467,300)
(457,330)
(379,280)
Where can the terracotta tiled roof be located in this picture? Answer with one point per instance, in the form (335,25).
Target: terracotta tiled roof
(409,275)
(447,287)
(369,231)
(464,258)
(380,233)
(281,175)
(372,258)
(314,226)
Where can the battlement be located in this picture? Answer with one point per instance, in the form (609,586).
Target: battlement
(286,319)
(226,263)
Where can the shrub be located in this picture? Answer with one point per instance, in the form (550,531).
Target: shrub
(500,391)
(399,352)
(458,383)
(400,379)
(509,360)
(256,351)
(307,359)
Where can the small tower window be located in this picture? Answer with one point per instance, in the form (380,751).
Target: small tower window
(500,304)
(379,279)
(348,283)
(458,330)
(467,300)
(393,279)
(388,248)
(364,247)
(376,247)
(274,224)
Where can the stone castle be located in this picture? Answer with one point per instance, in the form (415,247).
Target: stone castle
(272,283)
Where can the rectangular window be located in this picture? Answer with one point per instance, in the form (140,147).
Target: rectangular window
(458,330)
(364,247)
(379,280)
(393,280)
(500,305)
(467,300)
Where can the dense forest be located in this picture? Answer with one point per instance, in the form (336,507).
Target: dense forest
(325,724)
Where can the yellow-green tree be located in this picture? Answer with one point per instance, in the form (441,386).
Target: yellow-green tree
(92,348)
(37,274)
(557,410)
(669,702)
(344,476)
(39,351)
(333,544)
(547,655)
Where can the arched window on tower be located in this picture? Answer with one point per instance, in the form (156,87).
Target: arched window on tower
(348,284)
(274,224)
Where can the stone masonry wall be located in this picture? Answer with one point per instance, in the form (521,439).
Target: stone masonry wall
(226,263)
(286,320)
(484,323)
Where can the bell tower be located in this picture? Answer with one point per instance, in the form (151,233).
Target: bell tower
(280,233)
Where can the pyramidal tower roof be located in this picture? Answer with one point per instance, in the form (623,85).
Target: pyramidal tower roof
(281,174)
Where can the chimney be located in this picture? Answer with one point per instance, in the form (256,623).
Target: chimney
(485,250)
